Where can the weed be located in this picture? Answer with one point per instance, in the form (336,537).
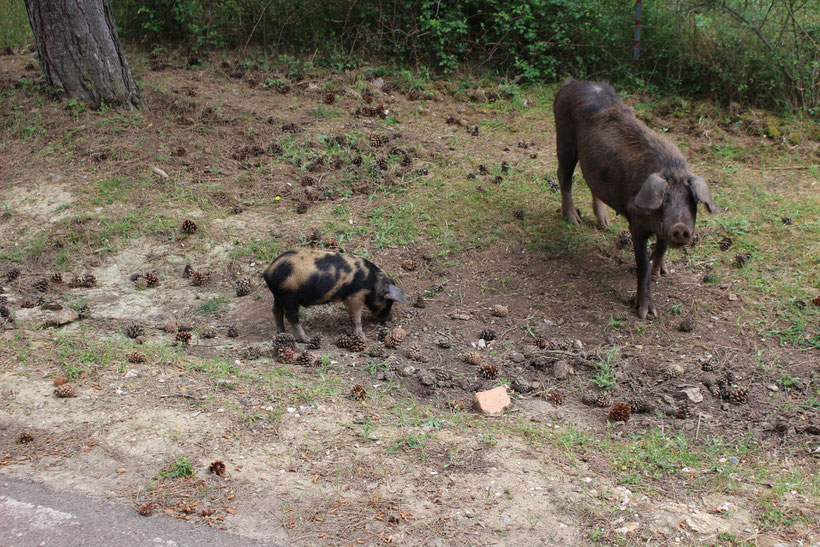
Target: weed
(605,379)
(214,306)
(178,469)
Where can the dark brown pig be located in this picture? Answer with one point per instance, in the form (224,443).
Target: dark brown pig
(638,173)
(307,277)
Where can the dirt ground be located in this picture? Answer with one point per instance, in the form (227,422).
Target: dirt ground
(259,162)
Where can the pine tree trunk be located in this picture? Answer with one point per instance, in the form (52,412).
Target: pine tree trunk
(81,53)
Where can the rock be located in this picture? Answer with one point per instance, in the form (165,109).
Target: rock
(492,402)
(171,326)
(516,357)
(427,379)
(408,371)
(693,394)
(460,316)
(444,343)
(627,528)
(378,83)
(772,387)
(560,370)
(47,317)
(535,386)
(521,385)
(732,297)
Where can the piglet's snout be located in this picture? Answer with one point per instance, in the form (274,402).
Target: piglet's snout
(680,235)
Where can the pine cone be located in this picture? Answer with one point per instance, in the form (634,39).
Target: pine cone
(725,243)
(738,395)
(455,405)
(12,274)
(708,366)
(151,279)
(208,333)
(250,353)
(488,335)
(136,357)
(620,412)
(472,357)
(233,332)
(684,410)
(217,468)
(187,271)
(500,311)
(183,337)
(199,278)
(383,332)
(60,380)
(414,352)
(25,437)
(556,398)
(603,399)
(243,287)
(672,370)
(140,282)
(399,334)
(358,344)
(376,349)
(41,285)
(410,265)
(146,509)
(305,359)
(285,354)
(134,330)
(301,208)
(488,370)
(5,312)
(358,392)
(541,343)
(741,259)
(189,226)
(315,342)
(26,304)
(330,98)
(66,390)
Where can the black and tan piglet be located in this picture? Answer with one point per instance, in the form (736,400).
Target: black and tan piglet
(307,277)
(630,168)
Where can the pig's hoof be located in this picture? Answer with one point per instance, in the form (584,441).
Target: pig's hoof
(647,309)
(573,218)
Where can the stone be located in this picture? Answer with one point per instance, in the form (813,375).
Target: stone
(444,342)
(516,357)
(693,394)
(560,370)
(408,371)
(47,317)
(492,402)
(772,387)
(427,379)
(171,326)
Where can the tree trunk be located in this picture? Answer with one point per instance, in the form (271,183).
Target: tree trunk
(81,52)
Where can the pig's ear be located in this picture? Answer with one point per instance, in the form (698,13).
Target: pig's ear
(701,193)
(395,293)
(652,192)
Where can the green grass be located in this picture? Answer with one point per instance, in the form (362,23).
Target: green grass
(179,468)
(214,306)
(15,30)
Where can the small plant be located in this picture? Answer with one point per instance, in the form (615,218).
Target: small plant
(605,379)
(180,468)
(375,368)
(214,306)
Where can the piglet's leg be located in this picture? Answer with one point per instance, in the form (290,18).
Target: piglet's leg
(279,316)
(658,265)
(292,313)
(354,307)
(643,300)
(601,214)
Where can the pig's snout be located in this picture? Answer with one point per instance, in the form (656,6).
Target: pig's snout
(680,235)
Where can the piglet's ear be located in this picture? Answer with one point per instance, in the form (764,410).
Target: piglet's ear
(701,193)
(652,192)
(395,293)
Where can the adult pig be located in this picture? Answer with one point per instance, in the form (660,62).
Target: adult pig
(637,172)
(308,277)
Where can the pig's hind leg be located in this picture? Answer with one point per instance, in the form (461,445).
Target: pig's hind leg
(599,207)
(289,308)
(658,264)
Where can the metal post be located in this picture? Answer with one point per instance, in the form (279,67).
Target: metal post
(636,48)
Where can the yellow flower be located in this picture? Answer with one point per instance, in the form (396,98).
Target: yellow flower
(277,198)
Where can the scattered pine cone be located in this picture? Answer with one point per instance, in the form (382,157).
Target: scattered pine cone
(488,371)
(414,352)
(140,282)
(86,280)
(410,265)
(738,395)
(134,330)
(377,141)
(305,359)
(725,243)
(603,399)
(672,370)
(315,342)
(330,98)
(183,337)
(376,349)
(331,242)
(5,312)
(500,311)
(233,332)
(199,278)
(684,410)
(556,398)
(187,271)
(136,357)
(151,279)
(358,344)
(541,343)
(189,226)
(472,357)
(60,380)
(65,391)
(217,468)
(359,393)
(708,365)
(624,239)
(208,333)
(816,301)
(284,340)
(12,274)
(41,285)
(620,412)
(398,334)
(741,259)
(25,437)
(419,302)
(285,354)
(243,287)
(301,208)
(251,353)
(488,335)
(455,405)
(383,332)
(483,169)
(26,304)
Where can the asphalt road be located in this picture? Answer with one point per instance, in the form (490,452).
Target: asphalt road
(33,514)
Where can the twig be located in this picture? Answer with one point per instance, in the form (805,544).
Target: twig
(248,41)
(789,167)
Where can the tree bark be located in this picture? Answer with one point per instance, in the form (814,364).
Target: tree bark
(81,53)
